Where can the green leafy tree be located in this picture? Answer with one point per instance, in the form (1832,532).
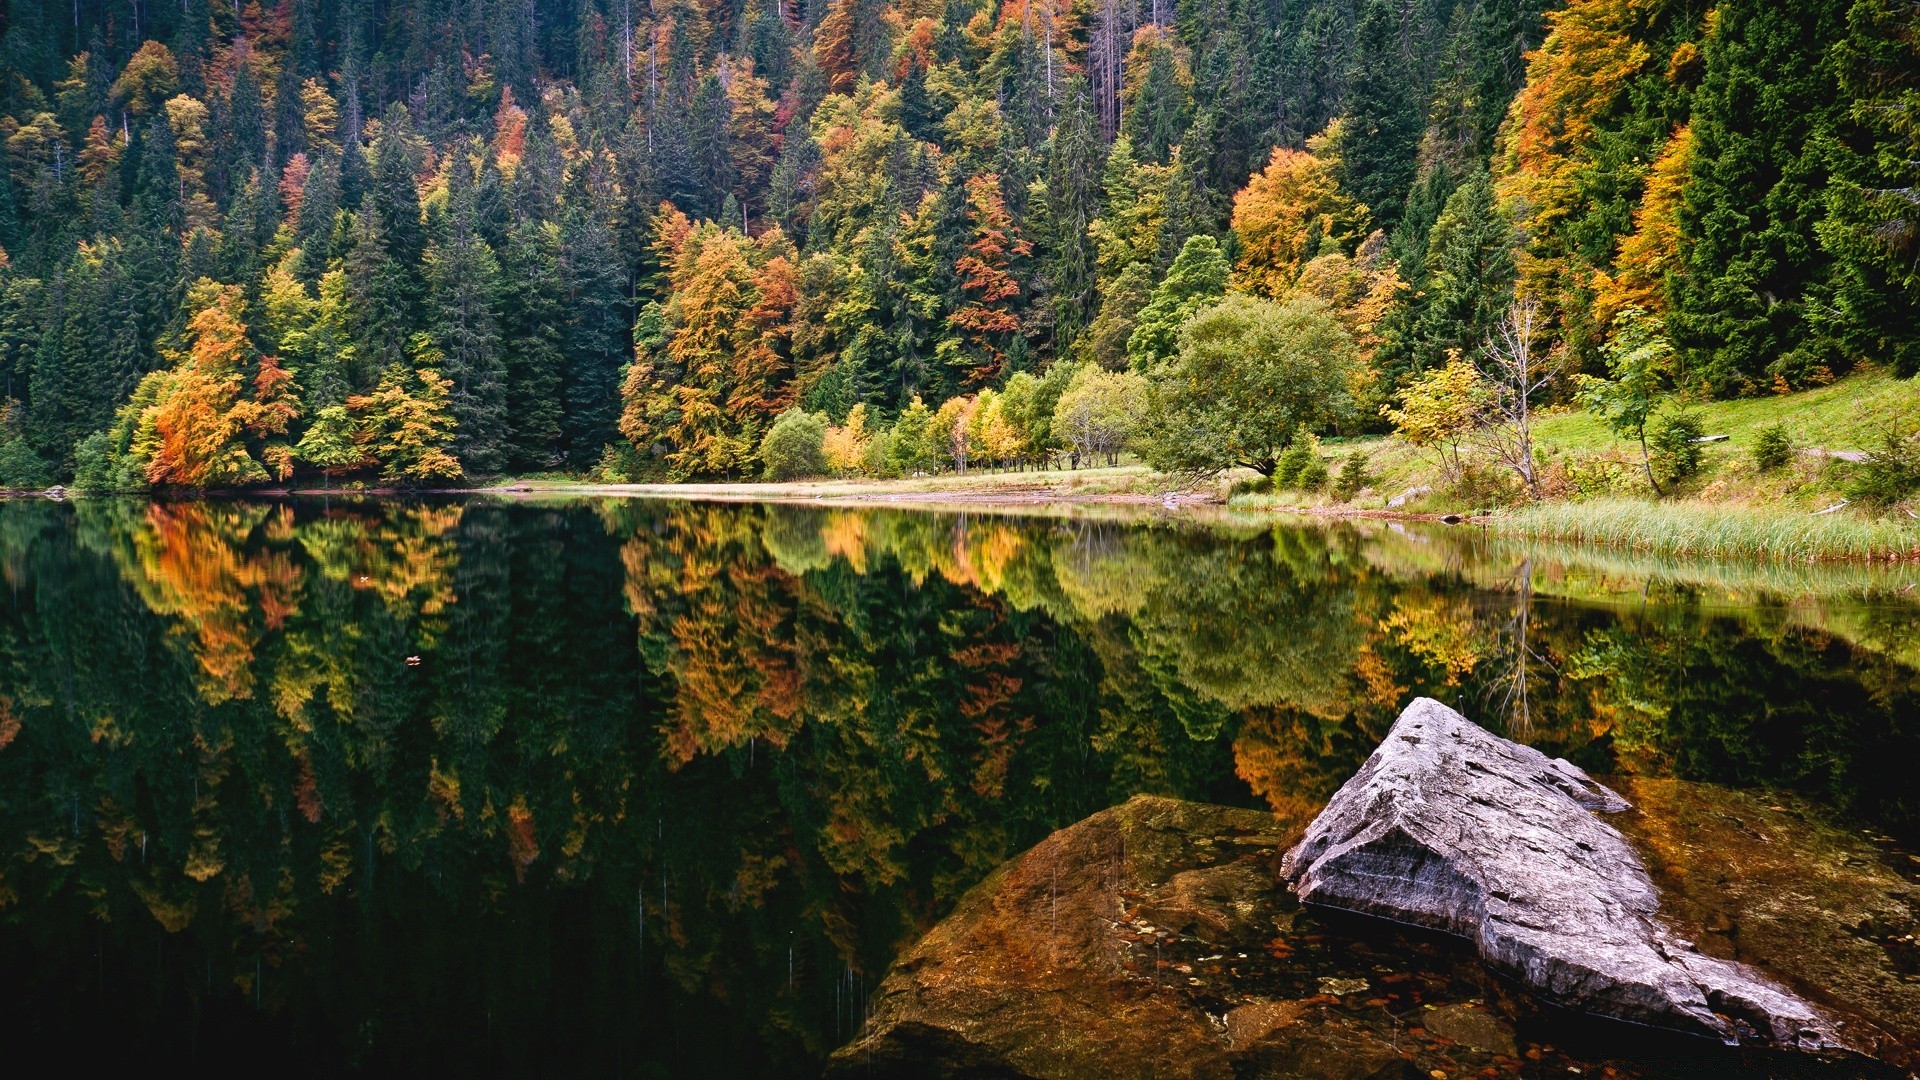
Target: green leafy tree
(793,448)
(1197,278)
(1639,360)
(1248,375)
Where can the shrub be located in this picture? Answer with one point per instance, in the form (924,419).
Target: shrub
(1353,477)
(1891,471)
(101,465)
(793,446)
(1671,439)
(20,468)
(1313,475)
(1302,452)
(620,463)
(1772,447)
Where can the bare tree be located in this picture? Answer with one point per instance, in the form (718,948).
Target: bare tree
(1515,375)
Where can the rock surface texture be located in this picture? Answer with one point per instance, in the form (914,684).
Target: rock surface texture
(1451,827)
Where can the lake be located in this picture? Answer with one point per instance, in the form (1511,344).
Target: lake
(626,787)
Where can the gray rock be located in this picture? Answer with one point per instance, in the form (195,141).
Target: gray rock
(1411,493)
(1451,827)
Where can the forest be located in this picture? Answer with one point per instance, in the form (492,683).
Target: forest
(420,241)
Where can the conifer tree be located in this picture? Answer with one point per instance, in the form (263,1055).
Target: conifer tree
(1383,118)
(463,292)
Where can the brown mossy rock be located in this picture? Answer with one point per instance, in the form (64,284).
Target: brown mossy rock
(1762,879)
(1035,972)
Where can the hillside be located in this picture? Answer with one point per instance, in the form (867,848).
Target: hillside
(411,243)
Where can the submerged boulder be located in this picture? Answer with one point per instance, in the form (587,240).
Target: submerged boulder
(1450,827)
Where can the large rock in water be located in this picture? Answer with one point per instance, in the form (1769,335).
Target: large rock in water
(1451,827)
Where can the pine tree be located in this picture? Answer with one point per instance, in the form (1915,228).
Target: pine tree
(463,292)
(1197,278)
(1761,119)
(532,318)
(595,340)
(1470,277)
(1071,202)
(1872,225)
(1383,119)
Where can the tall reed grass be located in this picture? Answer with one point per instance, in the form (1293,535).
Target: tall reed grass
(1716,531)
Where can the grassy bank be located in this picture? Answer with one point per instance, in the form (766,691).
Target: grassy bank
(1594,490)
(1714,531)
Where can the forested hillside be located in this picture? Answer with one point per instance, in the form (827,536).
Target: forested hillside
(415,240)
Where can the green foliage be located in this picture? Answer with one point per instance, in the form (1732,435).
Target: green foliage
(1674,441)
(1772,447)
(1470,262)
(331,442)
(1197,278)
(1762,120)
(1313,475)
(1638,360)
(791,449)
(1099,411)
(1891,471)
(20,468)
(1353,477)
(1249,374)
(1299,457)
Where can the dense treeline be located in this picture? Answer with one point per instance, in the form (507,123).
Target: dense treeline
(419,240)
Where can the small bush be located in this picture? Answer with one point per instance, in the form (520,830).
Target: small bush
(1608,473)
(1313,475)
(1772,447)
(1891,471)
(102,466)
(1256,485)
(794,446)
(20,468)
(620,463)
(1303,451)
(1353,477)
(1676,455)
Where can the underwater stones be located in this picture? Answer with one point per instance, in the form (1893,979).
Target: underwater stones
(1450,827)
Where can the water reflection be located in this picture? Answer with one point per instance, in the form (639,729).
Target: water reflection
(403,784)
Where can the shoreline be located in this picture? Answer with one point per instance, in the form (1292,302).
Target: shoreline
(1688,529)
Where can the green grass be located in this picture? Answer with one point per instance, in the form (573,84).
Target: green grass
(1714,531)
(1848,415)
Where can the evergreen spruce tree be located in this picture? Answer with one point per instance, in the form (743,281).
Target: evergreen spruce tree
(1762,118)
(1383,118)
(463,280)
(595,341)
(1470,264)
(1072,202)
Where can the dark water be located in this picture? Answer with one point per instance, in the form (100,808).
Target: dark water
(634,788)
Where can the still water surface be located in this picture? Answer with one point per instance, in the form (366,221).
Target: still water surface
(652,788)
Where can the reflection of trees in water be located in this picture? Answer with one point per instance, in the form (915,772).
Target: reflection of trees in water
(762,737)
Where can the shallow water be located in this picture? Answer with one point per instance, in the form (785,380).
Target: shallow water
(654,788)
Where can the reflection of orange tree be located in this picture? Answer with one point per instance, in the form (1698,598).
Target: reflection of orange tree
(195,561)
(724,616)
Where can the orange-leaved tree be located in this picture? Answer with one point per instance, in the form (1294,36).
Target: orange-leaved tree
(1284,214)
(219,416)
(987,318)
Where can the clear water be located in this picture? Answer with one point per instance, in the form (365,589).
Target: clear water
(653,788)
